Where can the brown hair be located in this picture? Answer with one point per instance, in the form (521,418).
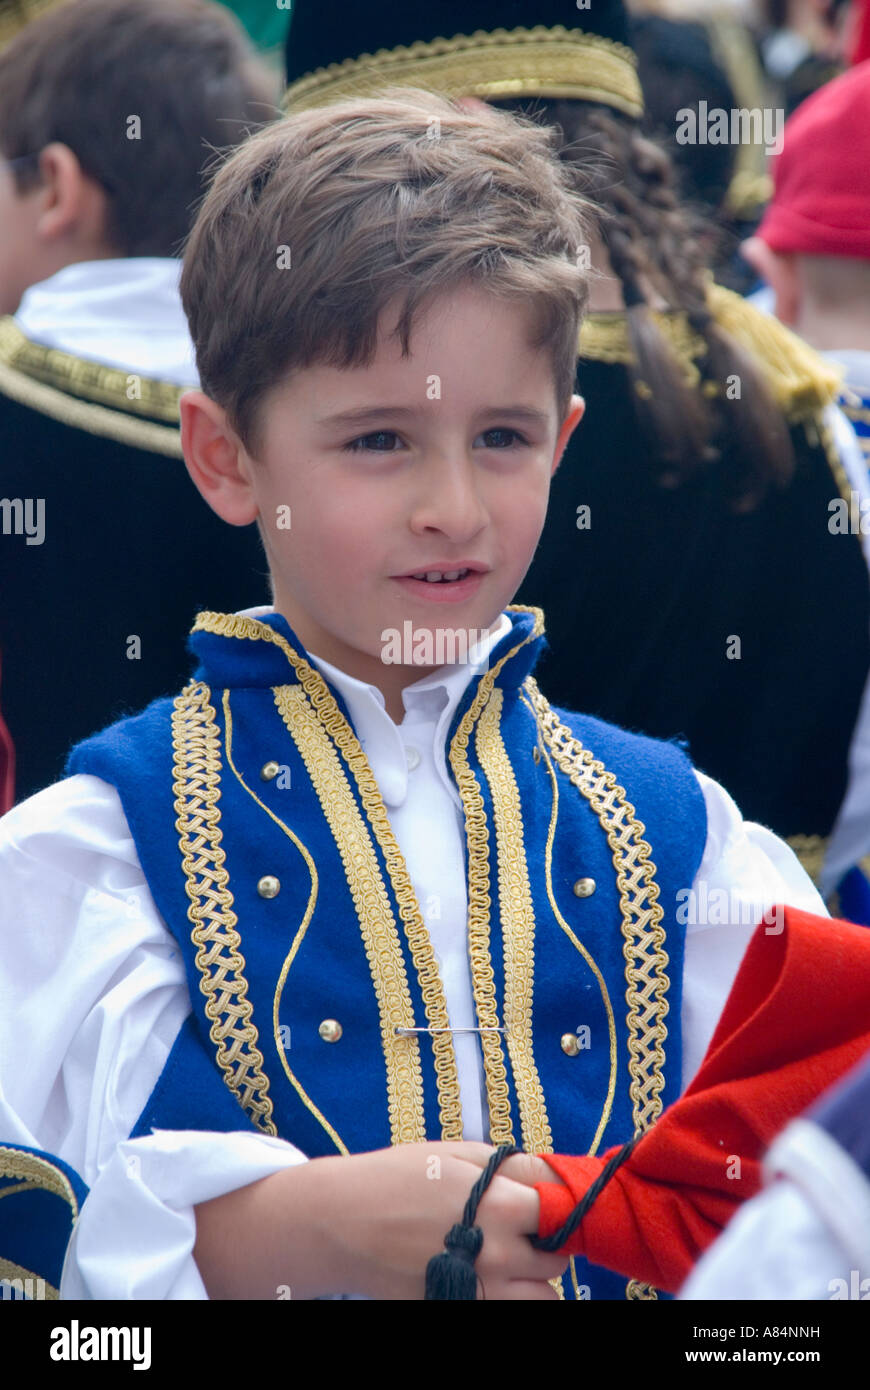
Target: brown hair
(407,195)
(650,241)
(78,74)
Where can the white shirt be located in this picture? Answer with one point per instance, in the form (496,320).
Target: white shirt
(124,313)
(93,989)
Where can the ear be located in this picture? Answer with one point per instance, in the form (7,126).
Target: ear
(576,411)
(778,271)
(216,459)
(72,205)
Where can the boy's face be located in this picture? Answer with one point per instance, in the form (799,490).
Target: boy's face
(438,462)
(57,223)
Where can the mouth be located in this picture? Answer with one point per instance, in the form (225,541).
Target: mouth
(443,583)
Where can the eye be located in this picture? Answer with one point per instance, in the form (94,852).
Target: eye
(373,443)
(501,438)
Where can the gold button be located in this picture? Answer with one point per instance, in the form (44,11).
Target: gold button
(570,1044)
(330,1030)
(584,887)
(536,754)
(269,886)
(269,771)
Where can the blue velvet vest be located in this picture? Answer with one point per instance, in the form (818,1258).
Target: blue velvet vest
(43,1197)
(272,861)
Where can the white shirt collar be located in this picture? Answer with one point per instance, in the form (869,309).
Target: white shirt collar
(124,313)
(430,704)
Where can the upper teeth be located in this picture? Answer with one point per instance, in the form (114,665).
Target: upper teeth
(433,576)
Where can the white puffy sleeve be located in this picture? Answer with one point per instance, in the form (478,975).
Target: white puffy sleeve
(92,996)
(745,873)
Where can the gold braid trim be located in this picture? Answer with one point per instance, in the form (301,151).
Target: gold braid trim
(377,924)
(477,836)
(801,382)
(297,940)
(810,851)
(331,718)
(578,946)
(605,338)
(38,1172)
(820,433)
(542,61)
(196,758)
(82,377)
(91,419)
(644,948)
(751,187)
(517,926)
(9,1270)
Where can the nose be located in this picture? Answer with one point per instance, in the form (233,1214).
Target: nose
(449,498)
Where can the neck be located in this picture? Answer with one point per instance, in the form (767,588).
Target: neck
(605,287)
(834,330)
(391,678)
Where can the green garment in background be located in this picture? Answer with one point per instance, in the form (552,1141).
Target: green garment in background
(265,21)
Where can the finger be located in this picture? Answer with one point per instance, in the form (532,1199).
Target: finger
(520,1260)
(528,1169)
(469,1150)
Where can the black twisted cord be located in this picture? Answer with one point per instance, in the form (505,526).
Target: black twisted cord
(451,1274)
(566,1231)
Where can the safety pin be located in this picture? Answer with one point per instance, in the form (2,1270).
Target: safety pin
(406,1032)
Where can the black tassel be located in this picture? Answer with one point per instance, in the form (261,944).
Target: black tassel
(451,1275)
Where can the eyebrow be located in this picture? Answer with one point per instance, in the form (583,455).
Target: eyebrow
(357,417)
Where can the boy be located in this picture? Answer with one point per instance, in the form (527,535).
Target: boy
(108,112)
(251,903)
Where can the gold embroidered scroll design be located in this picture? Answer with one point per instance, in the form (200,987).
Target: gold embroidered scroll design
(196,785)
(477,836)
(297,940)
(646,958)
(377,923)
(38,1172)
(579,947)
(422,954)
(517,926)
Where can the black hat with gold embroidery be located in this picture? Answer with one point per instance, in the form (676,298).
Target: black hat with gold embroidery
(515,48)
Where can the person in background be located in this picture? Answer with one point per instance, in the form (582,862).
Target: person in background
(110,112)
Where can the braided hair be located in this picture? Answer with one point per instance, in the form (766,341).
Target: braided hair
(654,250)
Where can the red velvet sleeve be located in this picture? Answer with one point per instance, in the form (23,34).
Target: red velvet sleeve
(797,1018)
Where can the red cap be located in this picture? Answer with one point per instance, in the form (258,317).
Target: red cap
(860,32)
(821,180)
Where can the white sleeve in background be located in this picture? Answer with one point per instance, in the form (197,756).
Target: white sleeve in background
(805,1236)
(744,872)
(88,968)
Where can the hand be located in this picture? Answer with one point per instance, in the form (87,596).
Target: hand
(524,1168)
(386,1214)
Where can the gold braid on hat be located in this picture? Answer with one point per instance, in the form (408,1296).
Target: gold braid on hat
(543,61)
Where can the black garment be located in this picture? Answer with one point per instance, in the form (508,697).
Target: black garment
(640,609)
(130,550)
